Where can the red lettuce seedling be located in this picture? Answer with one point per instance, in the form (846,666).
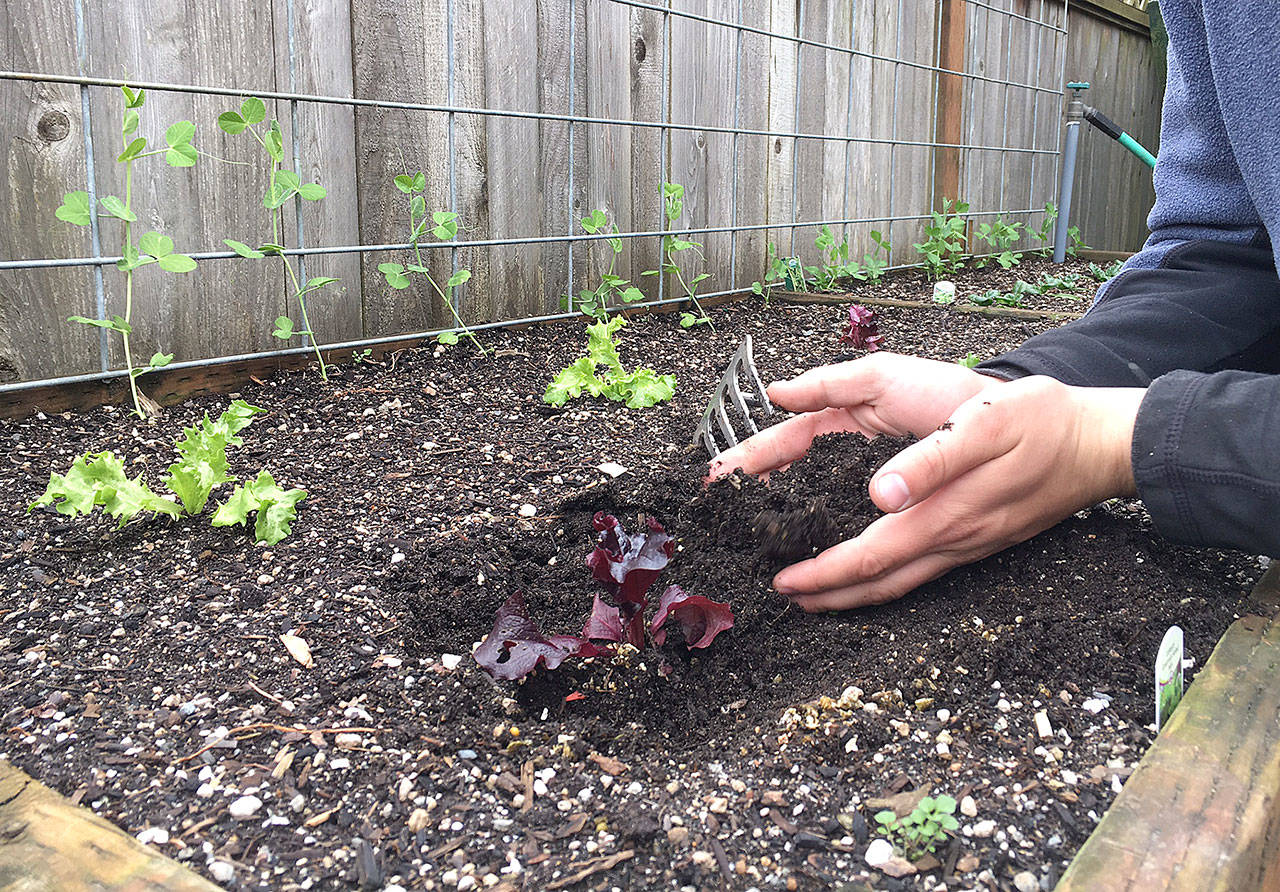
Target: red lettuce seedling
(700,618)
(516,646)
(627,566)
(862,334)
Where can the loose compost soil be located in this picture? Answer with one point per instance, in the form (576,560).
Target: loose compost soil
(142,672)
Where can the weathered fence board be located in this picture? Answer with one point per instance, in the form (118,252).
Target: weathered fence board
(516,178)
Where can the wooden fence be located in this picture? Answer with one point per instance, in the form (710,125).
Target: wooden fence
(733,99)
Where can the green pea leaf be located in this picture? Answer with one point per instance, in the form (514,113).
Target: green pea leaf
(404,183)
(133,99)
(394,274)
(231,122)
(179,133)
(181,156)
(129,122)
(275,143)
(458,278)
(312,191)
(284,328)
(242,249)
(443,217)
(417,207)
(177,263)
(75,208)
(287,178)
(115,323)
(271,249)
(155,244)
(276,196)
(253,110)
(133,149)
(448,338)
(419,181)
(415,268)
(160,360)
(132,260)
(320,282)
(115,207)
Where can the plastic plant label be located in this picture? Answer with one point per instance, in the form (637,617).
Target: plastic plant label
(944,293)
(794,278)
(1168,675)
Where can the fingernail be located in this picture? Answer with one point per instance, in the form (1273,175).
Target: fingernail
(892,490)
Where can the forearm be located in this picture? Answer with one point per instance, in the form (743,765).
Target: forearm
(1211,306)
(1205,462)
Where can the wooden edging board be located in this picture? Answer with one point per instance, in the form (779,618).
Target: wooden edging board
(1202,809)
(49,845)
(800,297)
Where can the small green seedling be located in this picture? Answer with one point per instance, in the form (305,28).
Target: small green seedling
(151,247)
(362,356)
(282,185)
(970,360)
(1000,236)
(943,248)
(611,289)
(1044,235)
(1106,273)
(1168,675)
(444,226)
(1000,298)
(600,373)
(98,479)
(921,831)
(776,274)
(672,247)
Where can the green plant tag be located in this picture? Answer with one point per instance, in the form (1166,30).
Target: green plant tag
(1168,675)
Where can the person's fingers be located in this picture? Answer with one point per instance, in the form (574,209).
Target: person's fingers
(841,384)
(976,434)
(889,587)
(782,443)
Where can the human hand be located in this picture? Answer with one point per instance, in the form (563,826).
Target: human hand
(884,393)
(1016,459)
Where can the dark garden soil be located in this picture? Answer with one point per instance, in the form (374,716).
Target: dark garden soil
(142,671)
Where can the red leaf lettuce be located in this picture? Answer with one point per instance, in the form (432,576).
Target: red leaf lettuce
(863,333)
(700,618)
(516,646)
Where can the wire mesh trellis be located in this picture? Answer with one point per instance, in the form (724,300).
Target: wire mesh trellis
(896,152)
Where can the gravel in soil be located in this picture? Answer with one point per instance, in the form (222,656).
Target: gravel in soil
(143,673)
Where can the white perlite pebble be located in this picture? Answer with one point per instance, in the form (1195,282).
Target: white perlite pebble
(1026,882)
(968,807)
(154,836)
(879,852)
(450,661)
(1094,705)
(1043,728)
(348,741)
(527,510)
(984,829)
(245,807)
(222,872)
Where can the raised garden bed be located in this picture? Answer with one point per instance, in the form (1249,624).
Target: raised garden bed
(148,680)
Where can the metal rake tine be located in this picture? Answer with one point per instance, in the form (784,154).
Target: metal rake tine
(740,403)
(749,355)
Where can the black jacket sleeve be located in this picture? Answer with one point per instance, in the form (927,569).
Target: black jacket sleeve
(1209,306)
(1206,460)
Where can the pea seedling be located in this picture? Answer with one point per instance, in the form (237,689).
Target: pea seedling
(595,302)
(672,245)
(1000,236)
(282,184)
(151,247)
(444,226)
(944,244)
(923,829)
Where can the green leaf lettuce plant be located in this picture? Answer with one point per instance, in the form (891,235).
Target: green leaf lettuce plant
(99,480)
(600,374)
(149,248)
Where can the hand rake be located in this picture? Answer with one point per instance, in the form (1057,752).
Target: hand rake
(715,420)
